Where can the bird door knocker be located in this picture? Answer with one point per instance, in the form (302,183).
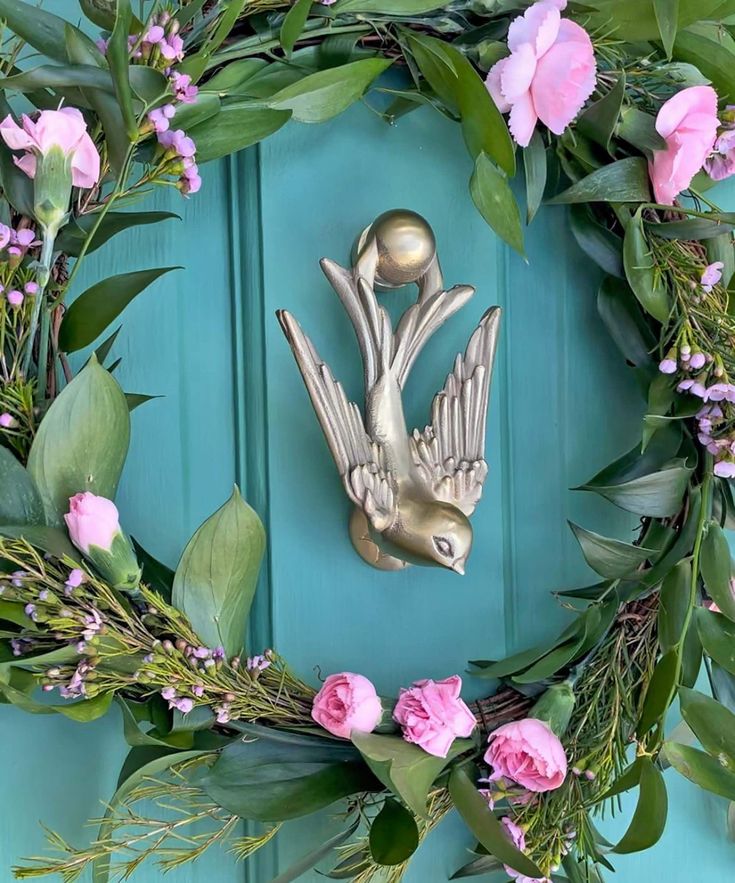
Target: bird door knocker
(413,492)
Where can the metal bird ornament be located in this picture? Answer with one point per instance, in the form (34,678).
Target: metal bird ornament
(413,492)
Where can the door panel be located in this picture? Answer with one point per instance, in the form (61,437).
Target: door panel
(235,410)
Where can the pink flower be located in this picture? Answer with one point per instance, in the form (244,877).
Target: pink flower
(433,716)
(184,90)
(347,702)
(711,275)
(688,123)
(91,521)
(7,421)
(178,142)
(721,163)
(549,74)
(190,181)
(160,117)
(529,753)
(518,839)
(63,128)
(725,469)
(667,366)
(15,297)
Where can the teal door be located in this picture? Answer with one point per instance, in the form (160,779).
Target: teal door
(233,409)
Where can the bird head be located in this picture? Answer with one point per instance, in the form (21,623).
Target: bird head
(445,537)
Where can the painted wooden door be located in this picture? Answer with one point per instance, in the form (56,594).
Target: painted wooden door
(234,409)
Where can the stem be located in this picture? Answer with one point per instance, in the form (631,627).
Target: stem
(44,272)
(703,518)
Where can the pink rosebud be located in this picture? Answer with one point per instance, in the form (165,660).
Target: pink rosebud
(154,34)
(92,521)
(432,715)
(667,366)
(688,123)
(7,421)
(529,753)
(711,275)
(518,839)
(31,288)
(347,702)
(15,297)
(725,469)
(63,128)
(549,74)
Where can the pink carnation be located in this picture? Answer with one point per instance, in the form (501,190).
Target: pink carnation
(529,753)
(433,716)
(549,74)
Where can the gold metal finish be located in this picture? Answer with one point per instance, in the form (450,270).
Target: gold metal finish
(413,492)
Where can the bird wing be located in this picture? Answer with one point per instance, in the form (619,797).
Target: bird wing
(450,453)
(360,460)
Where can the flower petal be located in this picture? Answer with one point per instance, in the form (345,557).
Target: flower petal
(523,119)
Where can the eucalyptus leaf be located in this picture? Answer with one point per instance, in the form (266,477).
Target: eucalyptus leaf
(293,24)
(481,821)
(38,27)
(394,836)
(82,441)
(72,237)
(520,661)
(716,567)
(610,558)
(643,276)
(20,502)
(216,577)
(667,18)
(660,692)
(674,605)
(717,634)
(711,722)
(235,127)
(496,203)
(98,306)
(700,768)
(407,770)
(649,818)
(625,180)
(534,166)
(320,96)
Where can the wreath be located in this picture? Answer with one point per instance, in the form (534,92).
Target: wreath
(617,109)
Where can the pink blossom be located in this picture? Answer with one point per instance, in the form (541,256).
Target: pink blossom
(347,702)
(688,123)
(518,839)
(725,469)
(63,128)
(160,117)
(190,181)
(172,48)
(178,142)
(15,297)
(527,752)
(7,421)
(184,90)
(4,235)
(721,163)
(91,521)
(667,366)
(432,715)
(549,74)
(711,275)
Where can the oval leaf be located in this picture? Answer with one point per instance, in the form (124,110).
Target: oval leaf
(496,203)
(610,558)
(394,836)
(649,819)
(717,634)
(623,181)
(20,502)
(641,272)
(235,127)
(216,578)
(716,568)
(700,768)
(711,722)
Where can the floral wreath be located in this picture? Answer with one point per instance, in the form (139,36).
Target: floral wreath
(622,100)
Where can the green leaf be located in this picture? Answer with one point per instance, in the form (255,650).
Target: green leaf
(74,234)
(135,776)
(610,558)
(720,248)
(534,166)
(644,278)
(205,106)
(695,228)
(628,779)
(20,502)
(494,200)
(712,724)
(723,686)
(155,575)
(716,568)
(520,661)
(717,634)
(660,693)
(293,25)
(600,119)
(98,306)
(674,605)
(639,129)
(117,58)
(667,18)
(136,399)
(394,836)
(232,76)
(86,709)
(453,78)
(621,313)
(625,180)
(320,96)
(53,540)
(82,441)
(307,862)
(479,818)
(39,28)
(275,775)
(484,864)
(407,770)
(601,245)
(216,577)
(235,127)
(700,768)
(649,818)
(16,185)
(388,7)
(711,49)
(100,12)
(136,737)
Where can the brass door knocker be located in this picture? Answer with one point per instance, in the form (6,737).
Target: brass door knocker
(413,492)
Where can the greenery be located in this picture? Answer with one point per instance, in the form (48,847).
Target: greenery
(216,735)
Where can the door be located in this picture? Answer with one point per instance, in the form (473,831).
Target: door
(234,410)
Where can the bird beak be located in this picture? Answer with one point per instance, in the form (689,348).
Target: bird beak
(458,566)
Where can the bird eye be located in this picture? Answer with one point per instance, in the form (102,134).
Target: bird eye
(443,546)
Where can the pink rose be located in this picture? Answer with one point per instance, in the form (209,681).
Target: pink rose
(688,123)
(92,521)
(433,716)
(549,74)
(518,839)
(63,128)
(529,753)
(347,702)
